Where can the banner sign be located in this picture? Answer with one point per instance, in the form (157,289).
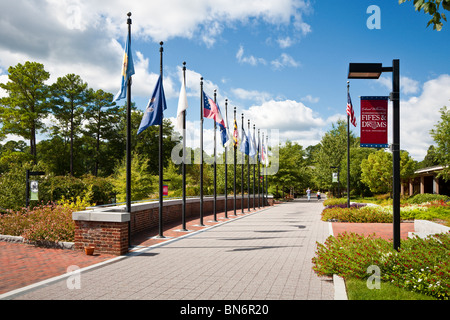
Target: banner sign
(34,190)
(165,190)
(335,177)
(374,122)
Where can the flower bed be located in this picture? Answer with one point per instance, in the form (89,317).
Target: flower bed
(46,223)
(421,265)
(435,210)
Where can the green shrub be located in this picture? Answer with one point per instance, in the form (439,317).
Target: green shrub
(46,223)
(426,197)
(334,201)
(366,214)
(421,265)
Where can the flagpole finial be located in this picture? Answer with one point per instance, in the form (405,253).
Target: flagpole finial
(129,18)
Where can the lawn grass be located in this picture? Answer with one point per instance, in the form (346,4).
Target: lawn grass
(357,290)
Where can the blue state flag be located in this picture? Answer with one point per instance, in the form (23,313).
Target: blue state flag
(244,148)
(252,146)
(153,114)
(127,70)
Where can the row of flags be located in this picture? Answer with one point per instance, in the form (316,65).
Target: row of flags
(153,113)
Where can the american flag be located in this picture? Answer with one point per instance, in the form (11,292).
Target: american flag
(350,110)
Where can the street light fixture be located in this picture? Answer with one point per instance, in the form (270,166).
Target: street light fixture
(373,71)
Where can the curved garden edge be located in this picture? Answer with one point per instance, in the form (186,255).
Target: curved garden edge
(45,244)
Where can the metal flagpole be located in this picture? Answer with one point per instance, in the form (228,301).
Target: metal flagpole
(161,154)
(248,168)
(183,210)
(267,184)
(201,151)
(215,163)
(128,173)
(262,173)
(242,167)
(259,170)
(348,151)
(254,168)
(226,162)
(234,160)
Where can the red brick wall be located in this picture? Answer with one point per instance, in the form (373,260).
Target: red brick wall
(106,237)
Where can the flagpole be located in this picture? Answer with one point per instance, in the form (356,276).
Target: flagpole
(242,168)
(248,168)
(128,173)
(234,162)
(262,191)
(254,168)
(161,152)
(201,151)
(348,151)
(183,210)
(259,170)
(267,184)
(215,162)
(226,162)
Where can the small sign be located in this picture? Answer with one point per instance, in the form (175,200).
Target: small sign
(335,177)
(165,190)
(34,190)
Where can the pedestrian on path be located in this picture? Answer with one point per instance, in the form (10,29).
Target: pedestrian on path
(318,195)
(308,193)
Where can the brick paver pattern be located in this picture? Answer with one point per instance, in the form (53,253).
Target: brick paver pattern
(266,255)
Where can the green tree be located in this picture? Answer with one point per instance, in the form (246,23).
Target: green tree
(357,186)
(430,159)
(102,115)
(22,112)
(441,135)
(331,153)
(142,183)
(432,7)
(70,96)
(292,172)
(376,170)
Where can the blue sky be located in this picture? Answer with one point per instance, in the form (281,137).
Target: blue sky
(283,63)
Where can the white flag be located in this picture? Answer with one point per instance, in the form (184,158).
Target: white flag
(182,105)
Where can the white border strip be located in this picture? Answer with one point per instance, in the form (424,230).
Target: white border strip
(340,291)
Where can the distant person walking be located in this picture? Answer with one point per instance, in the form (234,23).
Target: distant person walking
(318,195)
(308,193)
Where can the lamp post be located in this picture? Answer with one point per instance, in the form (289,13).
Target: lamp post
(373,71)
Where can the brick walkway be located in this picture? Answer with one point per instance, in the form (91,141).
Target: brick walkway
(382,230)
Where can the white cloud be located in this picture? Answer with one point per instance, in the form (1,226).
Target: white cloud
(287,115)
(251,60)
(418,115)
(285,42)
(283,61)
(254,95)
(407,85)
(310,98)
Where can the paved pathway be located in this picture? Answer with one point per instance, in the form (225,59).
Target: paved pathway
(265,255)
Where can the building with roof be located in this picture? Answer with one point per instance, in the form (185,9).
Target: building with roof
(426,180)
